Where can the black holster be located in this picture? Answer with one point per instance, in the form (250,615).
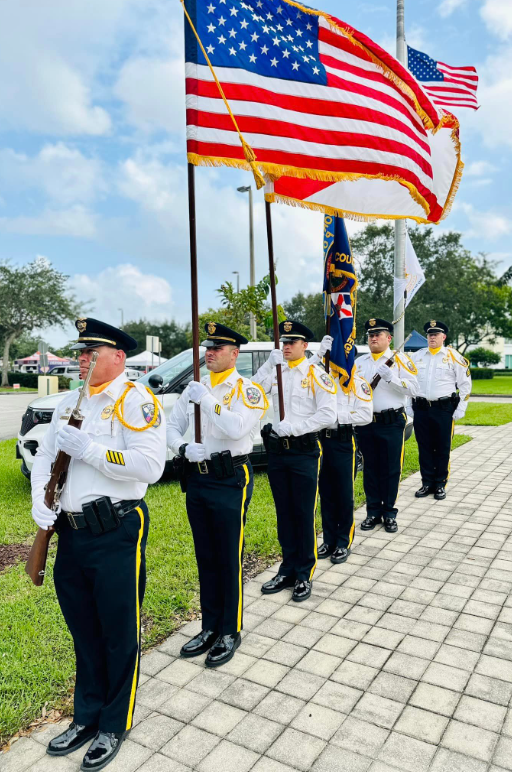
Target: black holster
(180,470)
(100,515)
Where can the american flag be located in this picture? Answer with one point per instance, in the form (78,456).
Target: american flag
(314,98)
(448,87)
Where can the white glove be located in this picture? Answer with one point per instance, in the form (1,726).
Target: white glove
(195,451)
(276,357)
(284,429)
(385,372)
(196,391)
(73,441)
(43,516)
(325,345)
(459,413)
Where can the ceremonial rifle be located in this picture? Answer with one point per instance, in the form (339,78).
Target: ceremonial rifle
(36,563)
(389,362)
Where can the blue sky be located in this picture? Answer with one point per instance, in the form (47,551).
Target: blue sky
(92,151)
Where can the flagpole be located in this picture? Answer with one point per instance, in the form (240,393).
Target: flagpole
(327,358)
(398,311)
(193,289)
(275,323)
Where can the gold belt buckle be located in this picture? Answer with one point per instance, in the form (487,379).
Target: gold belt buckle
(203,467)
(72,521)
(286,443)
(328,433)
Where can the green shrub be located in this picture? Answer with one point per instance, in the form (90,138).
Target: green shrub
(29,380)
(482,373)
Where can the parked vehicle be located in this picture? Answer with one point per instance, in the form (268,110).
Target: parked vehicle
(167,381)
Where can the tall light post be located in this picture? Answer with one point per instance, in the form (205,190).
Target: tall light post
(237,281)
(122,316)
(248,189)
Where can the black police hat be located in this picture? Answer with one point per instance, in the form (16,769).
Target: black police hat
(378,325)
(290,331)
(94,333)
(434,326)
(220,335)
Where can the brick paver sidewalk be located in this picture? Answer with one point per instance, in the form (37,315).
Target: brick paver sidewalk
(400,660)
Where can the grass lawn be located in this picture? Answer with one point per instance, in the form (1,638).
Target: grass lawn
(10,390)
(487,414)
(35,647)
(500,384)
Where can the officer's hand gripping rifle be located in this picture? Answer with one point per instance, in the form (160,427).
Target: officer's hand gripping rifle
(389,362)
(36,563)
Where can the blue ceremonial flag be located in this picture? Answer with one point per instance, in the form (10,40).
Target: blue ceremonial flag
(340,285)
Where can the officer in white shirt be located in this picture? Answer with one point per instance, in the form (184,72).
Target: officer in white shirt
(355,408)
(295,454)
(441,372)
(100,568)
(219,483)
(382,441)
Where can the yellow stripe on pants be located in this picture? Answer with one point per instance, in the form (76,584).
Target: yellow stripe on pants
(314,511)
(450,456)
(137,574)
(401,458)
(240,549)
(353,527)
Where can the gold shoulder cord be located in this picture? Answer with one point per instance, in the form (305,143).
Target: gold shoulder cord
(315,380)
(119,408)
(464,363)
(240,392)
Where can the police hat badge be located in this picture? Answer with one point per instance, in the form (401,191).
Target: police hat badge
(287,326)
(211,328)
(433,322)
(372,322)
(81,324)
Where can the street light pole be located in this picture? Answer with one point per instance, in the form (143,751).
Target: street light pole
(237,281)
(122,316)
(252,274)
(398,311)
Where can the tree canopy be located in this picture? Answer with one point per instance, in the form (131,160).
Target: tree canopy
(174,337)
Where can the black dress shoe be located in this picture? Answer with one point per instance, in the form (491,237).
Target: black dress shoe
(340,555)
(73,738)
(370,523)
(104,748)
(390,525)
(425,490)
(223,650)
(278,583)
(440,493)
(324,551)
(199,644)
(302,591)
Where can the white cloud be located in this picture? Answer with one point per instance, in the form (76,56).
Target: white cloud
(447,7)
(61,172)
(485,225)
(478,168)
(494,118)
(75,221)
(497,15)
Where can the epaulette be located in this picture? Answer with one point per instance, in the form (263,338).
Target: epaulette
(408,364)
(457,357)
(323,380)
(363,387)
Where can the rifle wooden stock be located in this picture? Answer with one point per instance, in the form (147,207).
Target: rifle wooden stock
(36,562)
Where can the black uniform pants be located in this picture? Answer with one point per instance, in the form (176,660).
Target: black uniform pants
(336,488)
(100,583)
(217,512)
(382,446)
(293,477)
(433,428)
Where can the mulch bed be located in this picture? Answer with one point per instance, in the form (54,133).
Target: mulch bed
(10,554)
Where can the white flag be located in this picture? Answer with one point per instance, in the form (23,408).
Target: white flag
(414,276)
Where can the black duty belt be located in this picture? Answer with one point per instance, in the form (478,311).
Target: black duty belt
(342,433)
(78,520)
(388,416)
(304,443)
(423,403)
(221,465)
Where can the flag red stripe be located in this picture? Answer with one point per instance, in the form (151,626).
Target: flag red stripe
(236,92)
(465,69)
(253,125)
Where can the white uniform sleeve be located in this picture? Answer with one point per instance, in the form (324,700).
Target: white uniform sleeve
(144,457)
(326,414)
(265,376)
(43,460)
(356,409)
(464,384)
(315,360)
(239,420)
(177,423)
(402,381)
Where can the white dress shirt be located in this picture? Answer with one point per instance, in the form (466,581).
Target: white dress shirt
(403,382)
(441,374)
(309,396)
(229,416)
(139,456)
(356,407)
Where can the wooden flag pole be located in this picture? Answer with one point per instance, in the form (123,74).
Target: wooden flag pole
(193,288)
(273,297)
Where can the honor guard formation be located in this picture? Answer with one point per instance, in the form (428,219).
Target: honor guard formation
(102,520)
